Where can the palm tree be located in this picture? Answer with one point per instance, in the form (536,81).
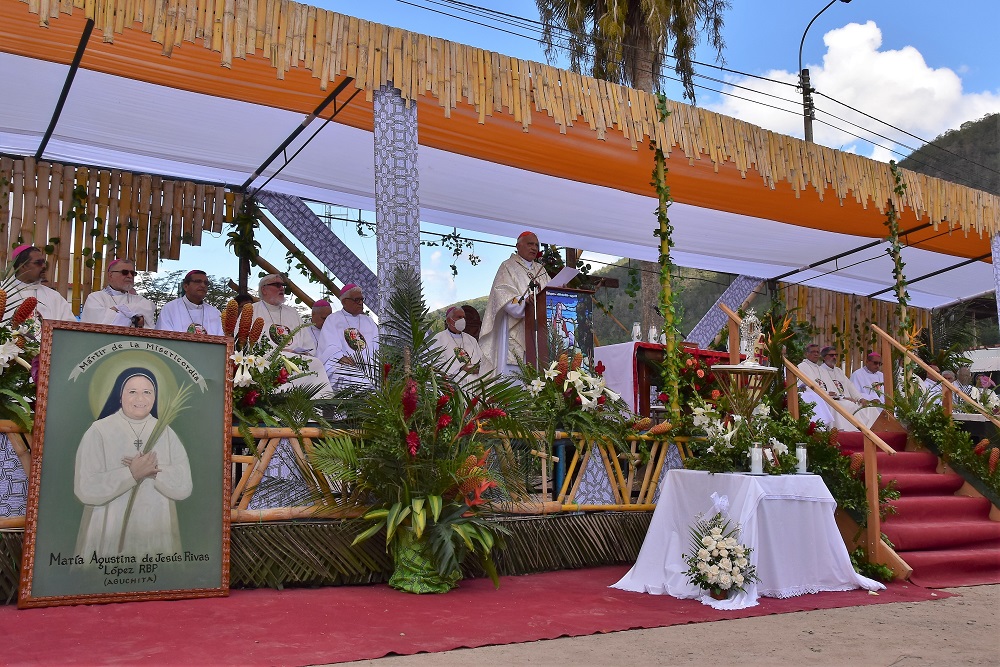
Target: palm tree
(625,41)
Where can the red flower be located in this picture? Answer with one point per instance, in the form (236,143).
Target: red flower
(490,413)
(413,442)
(24,311)
(467,429)
(602,399)
(599,368)
(409,398)
(443,401)
(662,397)
(690,362)
(282,377)
(443,421)
(715,394)
(701,373)
(470,407)
(385,371)
(578,400)
(250,399)
(811,429)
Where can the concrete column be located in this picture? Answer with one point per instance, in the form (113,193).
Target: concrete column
(397,204)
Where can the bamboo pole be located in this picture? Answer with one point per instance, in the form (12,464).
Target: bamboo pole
(296,251)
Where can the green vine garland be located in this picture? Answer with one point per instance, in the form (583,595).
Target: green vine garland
(671,368)
(895,252)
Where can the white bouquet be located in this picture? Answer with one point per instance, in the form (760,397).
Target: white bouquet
(718,562)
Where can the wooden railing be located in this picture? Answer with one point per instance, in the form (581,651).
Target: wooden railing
(888,343)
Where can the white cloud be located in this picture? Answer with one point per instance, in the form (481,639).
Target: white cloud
(896,86)
(438,283)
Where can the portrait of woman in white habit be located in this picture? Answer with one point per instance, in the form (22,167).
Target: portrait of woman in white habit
(110,464)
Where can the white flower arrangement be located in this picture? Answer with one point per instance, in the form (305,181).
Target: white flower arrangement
(718,562)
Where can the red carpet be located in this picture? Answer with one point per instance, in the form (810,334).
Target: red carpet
(337,624)
(948,540)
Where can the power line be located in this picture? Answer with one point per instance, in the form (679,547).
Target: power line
(530,24)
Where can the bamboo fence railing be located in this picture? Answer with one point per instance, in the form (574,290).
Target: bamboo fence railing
(845,320)
(329,45)
(149,217)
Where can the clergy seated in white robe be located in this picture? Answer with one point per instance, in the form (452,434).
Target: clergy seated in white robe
(184,316)
(108,461)
(868,379)
(280,321)
(843,391)
(30,265)
(502,337)
(51,304)
(461,355)
(320,311)
(821,411)
(110,306)
(344,337)
(116,304)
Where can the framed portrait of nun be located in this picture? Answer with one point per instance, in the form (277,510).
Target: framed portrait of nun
(128,497)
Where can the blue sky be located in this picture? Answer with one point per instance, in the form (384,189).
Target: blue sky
(925,67)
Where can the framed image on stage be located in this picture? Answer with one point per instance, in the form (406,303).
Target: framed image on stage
(561,317)
(129,491)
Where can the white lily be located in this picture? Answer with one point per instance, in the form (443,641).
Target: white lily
(536,386)
(551,372)
(572,378)
(587,403)
(613,395)
(238,358)
(9,351)
(242,378)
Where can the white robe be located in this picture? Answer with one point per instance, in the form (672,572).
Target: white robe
(109,306)
(458,350)
(344,335)
(104,484)
(821,411)
(867,383)
(185,316)
(502,337)
(279,321)
(51,304)
(848,397)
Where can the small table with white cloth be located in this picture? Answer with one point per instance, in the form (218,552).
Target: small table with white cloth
(786,519)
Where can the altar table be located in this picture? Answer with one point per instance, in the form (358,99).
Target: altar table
(786,519)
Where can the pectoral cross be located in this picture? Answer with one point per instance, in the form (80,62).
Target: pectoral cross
(138,444)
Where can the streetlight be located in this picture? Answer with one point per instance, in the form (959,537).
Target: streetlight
(807,101)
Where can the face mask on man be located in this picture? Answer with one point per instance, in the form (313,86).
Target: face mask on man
(459,325)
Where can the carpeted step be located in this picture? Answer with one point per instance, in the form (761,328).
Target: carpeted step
(938,508)
(947,568)
(924,484)
(853,441)
(937,535)
(906,462)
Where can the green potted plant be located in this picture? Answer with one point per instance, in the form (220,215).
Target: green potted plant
(415,452)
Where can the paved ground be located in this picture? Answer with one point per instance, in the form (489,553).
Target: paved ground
(961,630)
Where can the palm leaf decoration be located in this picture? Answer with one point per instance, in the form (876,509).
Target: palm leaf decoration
(414,450)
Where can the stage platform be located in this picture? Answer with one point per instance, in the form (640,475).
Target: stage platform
(279,554)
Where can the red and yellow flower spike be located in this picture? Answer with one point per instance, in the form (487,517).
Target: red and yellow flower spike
(24,311)
(230,316)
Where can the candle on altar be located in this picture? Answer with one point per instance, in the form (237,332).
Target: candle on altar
(756,460)
(800,454)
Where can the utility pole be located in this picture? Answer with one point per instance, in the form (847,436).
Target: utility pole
(808,110)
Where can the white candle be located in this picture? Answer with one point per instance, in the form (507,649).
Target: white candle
(756,460)
(800,453)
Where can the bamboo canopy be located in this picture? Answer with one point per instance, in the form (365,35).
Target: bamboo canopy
(512,112)
(98,214)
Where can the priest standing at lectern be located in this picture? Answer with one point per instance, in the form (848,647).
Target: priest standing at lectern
(518,280)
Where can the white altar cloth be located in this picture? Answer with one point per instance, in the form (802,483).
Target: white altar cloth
(620,370)
(787,520)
